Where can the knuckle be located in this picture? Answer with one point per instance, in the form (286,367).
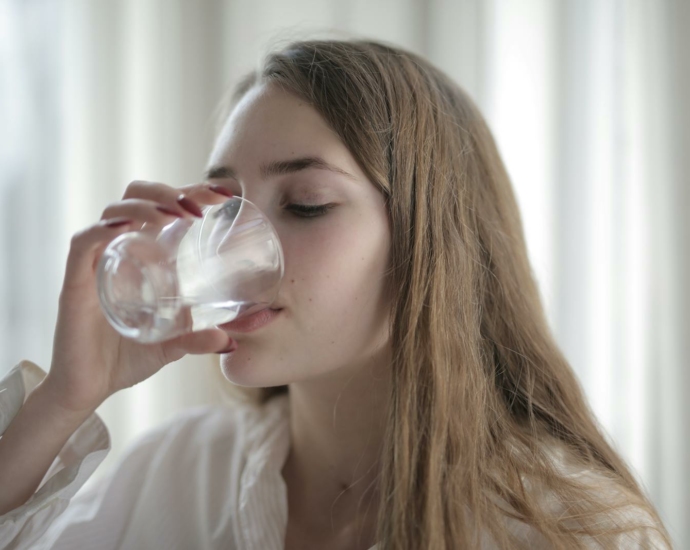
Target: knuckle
(191,188)
(111,206)
(135,187)
(78,238)
(147,190)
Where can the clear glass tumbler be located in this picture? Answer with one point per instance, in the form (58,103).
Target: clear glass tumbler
(191,274)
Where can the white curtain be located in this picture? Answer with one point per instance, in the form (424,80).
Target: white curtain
(587,100)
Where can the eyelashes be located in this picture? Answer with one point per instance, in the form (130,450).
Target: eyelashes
(300,210)
(308,210)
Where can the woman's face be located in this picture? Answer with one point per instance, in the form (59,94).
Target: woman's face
(334,313)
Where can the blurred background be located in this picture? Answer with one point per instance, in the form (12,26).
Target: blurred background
(587,99)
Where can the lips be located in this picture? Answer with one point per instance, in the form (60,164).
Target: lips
(251,322)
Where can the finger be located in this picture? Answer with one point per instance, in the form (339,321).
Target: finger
(168,197)
(86,246)
(143,210)
(200,342)
(151,190)
(202,192)
(208,192)
(193,199)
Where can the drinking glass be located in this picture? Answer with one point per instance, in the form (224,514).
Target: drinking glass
(192,274)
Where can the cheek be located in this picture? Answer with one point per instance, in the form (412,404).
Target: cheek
(334,278)
(337,307)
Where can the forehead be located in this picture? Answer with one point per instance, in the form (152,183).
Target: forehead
(272,123)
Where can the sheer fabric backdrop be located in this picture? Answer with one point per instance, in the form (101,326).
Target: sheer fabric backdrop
(588,102)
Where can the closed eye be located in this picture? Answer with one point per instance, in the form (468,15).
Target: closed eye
(308,210)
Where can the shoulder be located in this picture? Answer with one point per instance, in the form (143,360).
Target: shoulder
(198,455)
(623,511)
(192,461)
(584,500)
(209,429)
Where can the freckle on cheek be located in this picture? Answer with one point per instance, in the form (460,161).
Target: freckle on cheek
(292,281)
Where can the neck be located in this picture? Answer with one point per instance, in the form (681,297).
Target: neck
(337,427)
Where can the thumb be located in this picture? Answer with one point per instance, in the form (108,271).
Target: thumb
(203,341)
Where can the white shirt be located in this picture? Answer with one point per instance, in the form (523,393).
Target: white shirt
(210,478)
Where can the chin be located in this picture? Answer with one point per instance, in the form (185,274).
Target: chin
(242,371)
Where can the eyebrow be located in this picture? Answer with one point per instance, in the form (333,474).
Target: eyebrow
(279,167)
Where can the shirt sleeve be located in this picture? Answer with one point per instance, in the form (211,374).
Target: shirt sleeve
(86,448)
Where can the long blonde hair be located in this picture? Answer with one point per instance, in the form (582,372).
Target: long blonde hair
(483,402)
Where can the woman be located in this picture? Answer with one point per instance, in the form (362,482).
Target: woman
(411,392)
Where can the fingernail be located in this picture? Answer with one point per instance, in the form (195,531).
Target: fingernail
(231,347)
(117,222)
(168,211)
(189,206)
(220,190)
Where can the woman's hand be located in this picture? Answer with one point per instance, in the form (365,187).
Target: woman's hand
(91,360)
